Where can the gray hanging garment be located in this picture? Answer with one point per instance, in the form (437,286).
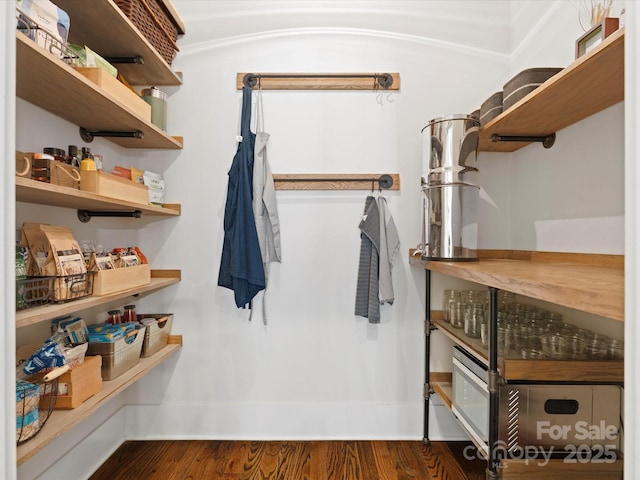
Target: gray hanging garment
(389,248)
(265,209)
(367,299)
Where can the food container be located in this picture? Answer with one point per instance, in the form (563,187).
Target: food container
(491,108)
(118,356)
(119,279)
(57,173)
(524,83)
(78,384)
(158,329)
(23,164)
(158,101)
(115,89)
(113,186)
(155,22)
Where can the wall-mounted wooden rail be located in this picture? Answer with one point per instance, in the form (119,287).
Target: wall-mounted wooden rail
(319,81)
(337,181)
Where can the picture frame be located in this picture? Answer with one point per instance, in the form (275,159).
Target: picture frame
(596,35)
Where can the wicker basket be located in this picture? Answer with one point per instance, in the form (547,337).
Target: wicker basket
(153,22)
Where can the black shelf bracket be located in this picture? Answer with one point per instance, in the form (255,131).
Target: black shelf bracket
(135,59)
(88,135)
(85,215)
(547,141)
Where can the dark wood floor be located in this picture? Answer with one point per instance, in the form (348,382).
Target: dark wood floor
(290,460)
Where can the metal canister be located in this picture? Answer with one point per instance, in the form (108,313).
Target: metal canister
(158,101)
(450,190)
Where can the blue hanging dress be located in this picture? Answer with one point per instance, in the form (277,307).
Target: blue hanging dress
(241,268)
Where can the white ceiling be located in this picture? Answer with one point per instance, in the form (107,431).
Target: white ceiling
(475,24)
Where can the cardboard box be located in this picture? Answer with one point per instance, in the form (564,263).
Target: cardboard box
(118,356)
(116,89)
(80,383)
(118,279)
(114,186)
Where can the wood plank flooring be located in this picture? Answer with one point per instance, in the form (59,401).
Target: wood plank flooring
(290,460)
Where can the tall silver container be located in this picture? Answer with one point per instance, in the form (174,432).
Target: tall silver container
(449,188)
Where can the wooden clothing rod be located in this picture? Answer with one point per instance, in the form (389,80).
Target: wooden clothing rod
(319,81)
(335,181)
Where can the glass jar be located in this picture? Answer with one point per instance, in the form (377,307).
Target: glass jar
(129,314)
(473,318)
(114,317)
(456,314)
(448,297)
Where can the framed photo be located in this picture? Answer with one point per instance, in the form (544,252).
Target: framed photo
(596,35)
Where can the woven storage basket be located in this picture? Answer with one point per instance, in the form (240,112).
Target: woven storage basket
(154,23)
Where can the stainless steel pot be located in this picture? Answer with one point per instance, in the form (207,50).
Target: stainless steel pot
(450,190)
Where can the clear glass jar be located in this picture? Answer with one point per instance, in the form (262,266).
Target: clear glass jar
(456,314)
(448,297)
(473,318)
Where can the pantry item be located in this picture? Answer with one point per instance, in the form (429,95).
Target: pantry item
(491,108)
(158,101)
(120,355)
(81,382)
(114,317)
(118,91)
(524,83)
(155,23)
(109,185)
(156,336)
(57,153)
(45,168)
(45,24)
(53,252)
(449,188)
(23,164)
(129,314)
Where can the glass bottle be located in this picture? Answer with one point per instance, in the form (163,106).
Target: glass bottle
(130,314)
(115,317)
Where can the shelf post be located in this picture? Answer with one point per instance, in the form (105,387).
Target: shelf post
(493,462)
(427,354)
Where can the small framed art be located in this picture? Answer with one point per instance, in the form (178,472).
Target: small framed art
(596,35)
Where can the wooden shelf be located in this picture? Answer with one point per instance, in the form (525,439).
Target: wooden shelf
(62,421)
(586,282)
(49,83)
(159,279)
(108,32)
(513,368)
(593,82)
(441,384)
(33,191)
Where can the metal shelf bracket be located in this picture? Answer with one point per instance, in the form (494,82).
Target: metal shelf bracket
(85,215)
(88,135)
(547,141)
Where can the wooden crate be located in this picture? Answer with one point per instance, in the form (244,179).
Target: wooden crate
(23,164)
(118,279)
(82,382)
(114,186)
(116,89)
(54,172)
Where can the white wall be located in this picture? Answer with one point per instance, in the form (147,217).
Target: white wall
(7,256)
(315,371)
